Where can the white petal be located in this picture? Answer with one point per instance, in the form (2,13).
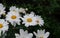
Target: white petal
(21,31)
(47,34)
(35,33)
(17,35)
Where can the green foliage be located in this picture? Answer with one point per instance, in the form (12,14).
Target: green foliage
(48,9)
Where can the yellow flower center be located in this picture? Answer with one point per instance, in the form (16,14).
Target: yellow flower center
(1,25)
(29,20)
(41,37)
(13,17)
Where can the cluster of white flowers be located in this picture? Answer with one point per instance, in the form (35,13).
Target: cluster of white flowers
(29,19)
(39,34)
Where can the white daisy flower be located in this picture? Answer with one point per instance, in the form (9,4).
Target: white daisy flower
(3,26)
(39,20)
(24,34)
(41,34)
(13,18)
(2,9)
(14,9)
(22,10)
(29,20)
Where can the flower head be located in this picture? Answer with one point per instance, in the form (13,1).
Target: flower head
(39,20)
(41,34)
(22,10)
(2,9)
(14,9)
(29,19)
(3,25)
(24,34)
(13,18)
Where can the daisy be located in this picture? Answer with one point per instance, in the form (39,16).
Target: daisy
(29,19)
(14,9)
(22,10)
(41,34)
(24,34)
(3,26)
(2,9)
(39,20)
(13,18)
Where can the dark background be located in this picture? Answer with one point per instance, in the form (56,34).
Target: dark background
(48,9)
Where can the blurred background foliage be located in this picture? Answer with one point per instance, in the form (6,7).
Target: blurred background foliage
(48,9)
